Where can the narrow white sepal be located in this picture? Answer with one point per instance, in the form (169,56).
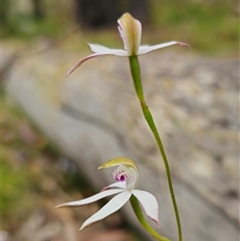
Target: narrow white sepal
(99,49)
(91,199)
(148,202)
(146,48)
(112,206)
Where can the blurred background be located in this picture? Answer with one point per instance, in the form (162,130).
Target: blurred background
(41,40)
(210,26)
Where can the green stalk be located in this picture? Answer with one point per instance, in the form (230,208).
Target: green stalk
(139,214)
(136,75)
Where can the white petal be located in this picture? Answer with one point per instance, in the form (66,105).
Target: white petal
(90,199)
(148,202)
(145,49)
(112,206)
(116,184)
(99,49)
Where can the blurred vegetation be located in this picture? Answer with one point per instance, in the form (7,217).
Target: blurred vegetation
(29,161)
(210,27)
(20,21)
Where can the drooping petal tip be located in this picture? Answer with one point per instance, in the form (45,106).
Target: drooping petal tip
(81,61)
(59,206)
(184,44)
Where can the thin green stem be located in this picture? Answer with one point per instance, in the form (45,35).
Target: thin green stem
(136,75)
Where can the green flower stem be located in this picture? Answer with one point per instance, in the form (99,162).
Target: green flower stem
(139,214)
(136,75)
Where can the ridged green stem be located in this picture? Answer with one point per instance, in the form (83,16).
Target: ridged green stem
(136,75)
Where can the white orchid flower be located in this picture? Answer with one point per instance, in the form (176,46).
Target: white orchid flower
(130,31)
(126,175)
